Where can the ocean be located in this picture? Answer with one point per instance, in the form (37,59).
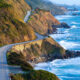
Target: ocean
(67,69)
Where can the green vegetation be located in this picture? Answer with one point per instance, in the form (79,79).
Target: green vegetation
(12,27)
(30,19)
(14,30)
(3,4)
(35,75)
(18,59)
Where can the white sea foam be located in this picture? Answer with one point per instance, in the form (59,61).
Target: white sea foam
(67,69)
(66,31)
(60,36)
(61,62)
(64,69)
(75,23)
(63,17)
(74,26)
(69,45)
(41,64)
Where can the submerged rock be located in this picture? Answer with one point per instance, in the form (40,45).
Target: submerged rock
(62,25)
(65,25)
(72,54)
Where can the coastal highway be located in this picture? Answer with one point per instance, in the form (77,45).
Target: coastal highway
(4,67)
(4,72)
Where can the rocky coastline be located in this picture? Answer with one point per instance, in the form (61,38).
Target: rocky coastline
(61,25)
(14,30)
(42,51)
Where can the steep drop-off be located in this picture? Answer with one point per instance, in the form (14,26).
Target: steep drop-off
(12,27)
(39,51)
(42,21)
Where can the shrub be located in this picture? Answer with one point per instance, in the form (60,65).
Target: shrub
(14,58)
(36,75)
(26,66)
(18,59)
(3,4)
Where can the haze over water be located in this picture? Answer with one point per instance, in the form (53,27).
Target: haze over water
(67,2)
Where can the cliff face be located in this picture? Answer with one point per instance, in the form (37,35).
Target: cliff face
(46,5)
(42,21)
(12,28)
(40,51)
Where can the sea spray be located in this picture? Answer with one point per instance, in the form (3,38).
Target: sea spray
(66,69)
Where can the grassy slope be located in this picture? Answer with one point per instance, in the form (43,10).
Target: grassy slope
(20,8)
(12,28)
(3,4)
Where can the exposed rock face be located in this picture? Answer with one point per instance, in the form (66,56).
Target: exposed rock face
(62,25)
(42,21)
(40,51)
(72,54)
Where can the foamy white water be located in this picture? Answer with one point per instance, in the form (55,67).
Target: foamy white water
(63,17)
(67,69)
(75,23)
(74,26)
(68,45)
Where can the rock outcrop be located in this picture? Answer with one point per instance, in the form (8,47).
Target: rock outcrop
(62,25)
(40,51)
(12,27)
(42,21)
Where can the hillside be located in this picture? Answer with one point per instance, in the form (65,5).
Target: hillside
(43,4)
(20,8)
(42,21)
(38,51)
(12,27)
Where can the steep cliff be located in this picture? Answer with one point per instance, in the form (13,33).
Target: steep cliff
(39,51)
(42,21)
(12,27)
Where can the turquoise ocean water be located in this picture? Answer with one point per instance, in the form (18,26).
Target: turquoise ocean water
(67,69)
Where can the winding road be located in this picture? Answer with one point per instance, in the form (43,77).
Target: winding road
(4,67)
